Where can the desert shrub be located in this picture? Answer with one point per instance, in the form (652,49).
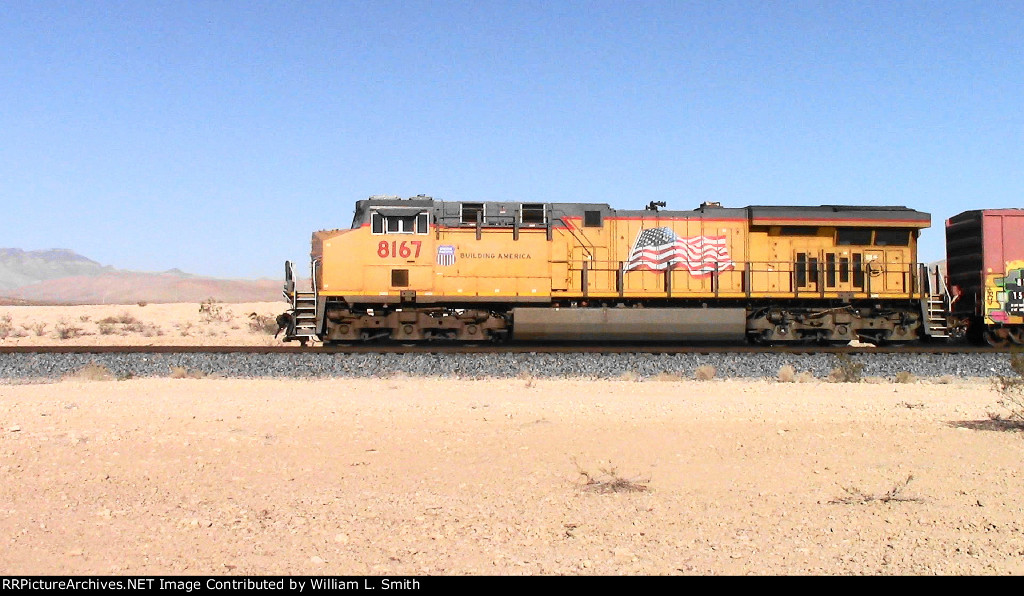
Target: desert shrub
(905,377)
(944,380)
(180,372)
(65,330)
(856,496)
(846,370)
(630,376)
(6,326)
(806,377)
(787,374)
(705,372)
(911,405)
(262,323)
(93,372)
(84,318)
(106,328)
(124,317)
(212,311)
(608,480)
(142,303)
(1011,388)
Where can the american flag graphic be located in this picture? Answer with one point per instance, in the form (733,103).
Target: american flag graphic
(445,255)
(659,249)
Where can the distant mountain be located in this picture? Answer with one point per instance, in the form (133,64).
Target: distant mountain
(20,268)
(65,277)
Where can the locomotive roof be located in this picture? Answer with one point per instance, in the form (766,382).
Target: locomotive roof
(756,214)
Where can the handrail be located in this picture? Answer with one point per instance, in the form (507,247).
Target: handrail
(314,266)
(589,249)
(756,277)
(289,278)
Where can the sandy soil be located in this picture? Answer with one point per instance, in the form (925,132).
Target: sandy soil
(433,476)
(205,324)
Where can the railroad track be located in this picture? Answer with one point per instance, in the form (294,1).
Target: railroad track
(517,348)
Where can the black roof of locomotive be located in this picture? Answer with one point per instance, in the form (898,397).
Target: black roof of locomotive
(451,210)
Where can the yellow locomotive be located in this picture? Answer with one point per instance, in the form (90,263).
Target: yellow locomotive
(425,269)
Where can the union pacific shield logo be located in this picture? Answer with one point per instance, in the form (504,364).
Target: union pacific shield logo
(445,255)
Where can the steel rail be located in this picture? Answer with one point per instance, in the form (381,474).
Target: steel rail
(513,348)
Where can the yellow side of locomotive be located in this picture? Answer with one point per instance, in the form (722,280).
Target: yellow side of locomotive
(826,258)
(449,263)
(751,258)
(596,262)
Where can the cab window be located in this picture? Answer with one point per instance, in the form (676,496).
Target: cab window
(853,236)
(399,224)
(887,237)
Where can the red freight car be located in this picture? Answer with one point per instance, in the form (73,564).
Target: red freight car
(985,269)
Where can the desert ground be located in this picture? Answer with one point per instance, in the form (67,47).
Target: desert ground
(436,476)
(200,323)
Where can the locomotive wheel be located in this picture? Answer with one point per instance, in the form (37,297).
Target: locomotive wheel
(1017,335)
(997,338)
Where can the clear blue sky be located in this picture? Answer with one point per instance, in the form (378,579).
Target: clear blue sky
(216,136)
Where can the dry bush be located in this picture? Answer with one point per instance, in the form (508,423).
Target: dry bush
(6,326)
(106,328)
(65,330)
(529,378)
(145,329)
(944,380)
(213,311)
(846,370)
(38,328)
(135,327)
(180,372)
(184,328)
(1011,388)
(705,372)
(787,374)
(262,323)
(630,375)
(911,405)
(142,303)
(856,496)
(806,377)
(92,372)
(905,377)
(124,318)
(608,480)
(84,318)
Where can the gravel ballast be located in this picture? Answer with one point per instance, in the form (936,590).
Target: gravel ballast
(510,365)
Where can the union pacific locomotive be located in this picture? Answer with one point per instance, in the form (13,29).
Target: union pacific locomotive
(421,269)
